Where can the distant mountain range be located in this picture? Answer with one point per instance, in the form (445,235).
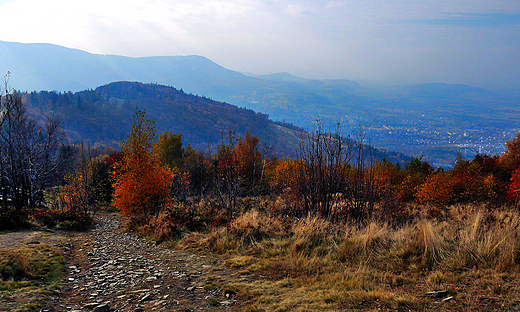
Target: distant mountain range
(435,120)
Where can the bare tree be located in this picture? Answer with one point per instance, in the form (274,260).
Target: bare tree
(228,182)
(333,178)
(325,160)
(360,193)
(28,152)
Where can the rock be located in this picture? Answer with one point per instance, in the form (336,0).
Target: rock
(90,306)
(436,294)
(102,308)
(160,302)
(227,302)
(447,299)
(146,297)
(123,273)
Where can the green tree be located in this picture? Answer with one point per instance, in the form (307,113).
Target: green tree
(170,150)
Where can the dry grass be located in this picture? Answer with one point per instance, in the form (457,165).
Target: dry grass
(318,265)
(29,271)
(245,232)
(488,240)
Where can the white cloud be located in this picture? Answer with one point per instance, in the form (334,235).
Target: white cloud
(320,38)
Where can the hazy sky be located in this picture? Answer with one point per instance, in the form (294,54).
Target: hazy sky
(474,42)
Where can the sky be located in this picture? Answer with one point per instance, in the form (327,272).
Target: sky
(391,42)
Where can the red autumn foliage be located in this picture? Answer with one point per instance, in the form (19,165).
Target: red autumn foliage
(513,192)
(141,183)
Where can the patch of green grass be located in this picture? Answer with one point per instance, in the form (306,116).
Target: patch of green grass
(11,285)
(40,263)
(28,273)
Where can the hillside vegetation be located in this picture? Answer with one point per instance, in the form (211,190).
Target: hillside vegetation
(101,117)
(332,228)
(104,115)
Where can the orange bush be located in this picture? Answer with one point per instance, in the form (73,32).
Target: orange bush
(387,176)
(284,175)
(141,182)
(437,189)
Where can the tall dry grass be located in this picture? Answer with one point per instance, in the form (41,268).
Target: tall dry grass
(475,237)
(488,240)
(335,266)
(242,233)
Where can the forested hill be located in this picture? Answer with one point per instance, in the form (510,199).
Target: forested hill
(104,115)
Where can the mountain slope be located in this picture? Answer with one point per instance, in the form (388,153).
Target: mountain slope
(435,120)
(51,67)
(104,115)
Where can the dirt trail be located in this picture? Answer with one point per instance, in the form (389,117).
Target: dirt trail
(110,270)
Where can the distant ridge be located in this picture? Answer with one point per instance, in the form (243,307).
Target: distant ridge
(38,66)
(436,120)
(103,116)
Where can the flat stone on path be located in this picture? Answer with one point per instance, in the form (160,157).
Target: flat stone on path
(116,271)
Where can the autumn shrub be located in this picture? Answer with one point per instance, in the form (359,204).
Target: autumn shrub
(141,188)
(184,216)
(283,181)
(394,211)
(74,220)
(387,177)
(437,189)
(141,182)
(191,215)
(161,228)
(64,219)
(513,191)
(415,173)
(179,218)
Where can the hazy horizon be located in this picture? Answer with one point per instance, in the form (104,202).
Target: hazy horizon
(391,43)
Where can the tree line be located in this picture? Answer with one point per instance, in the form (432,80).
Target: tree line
(334,177)
(157,176)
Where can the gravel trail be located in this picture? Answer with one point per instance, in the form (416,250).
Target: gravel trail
(111,270)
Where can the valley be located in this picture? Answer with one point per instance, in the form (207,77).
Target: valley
(433,120)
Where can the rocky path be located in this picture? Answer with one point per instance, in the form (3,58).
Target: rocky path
(111,270)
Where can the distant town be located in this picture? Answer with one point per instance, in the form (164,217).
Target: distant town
(438,144)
